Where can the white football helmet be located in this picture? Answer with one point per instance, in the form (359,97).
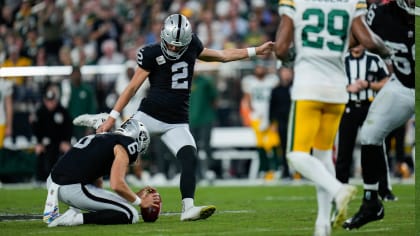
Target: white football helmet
(407,5)
(135,129)
(176,31)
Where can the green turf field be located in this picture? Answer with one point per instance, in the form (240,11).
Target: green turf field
(261,210)
(257,210)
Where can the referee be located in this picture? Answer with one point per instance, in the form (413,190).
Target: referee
(366,74)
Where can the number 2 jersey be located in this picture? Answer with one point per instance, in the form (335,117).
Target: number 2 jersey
(321,38)
(396,28)
(91,158)
(170,82)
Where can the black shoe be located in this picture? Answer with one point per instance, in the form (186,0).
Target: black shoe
(368,212)
(388,197)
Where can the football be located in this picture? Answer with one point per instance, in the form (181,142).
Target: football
(151,214)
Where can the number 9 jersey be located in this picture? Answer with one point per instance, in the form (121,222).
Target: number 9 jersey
(170,81)
(321,39)
(396,27)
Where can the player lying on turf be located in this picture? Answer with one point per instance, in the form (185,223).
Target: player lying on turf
(76,179)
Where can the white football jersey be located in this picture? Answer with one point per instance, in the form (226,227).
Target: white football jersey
(260,92)
(321,39)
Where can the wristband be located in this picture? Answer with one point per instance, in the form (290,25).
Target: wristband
(251,52)
(137,201)
(368,86)
(114,114)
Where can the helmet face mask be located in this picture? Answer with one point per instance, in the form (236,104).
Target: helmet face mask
(136,130)
(407,5)
(176,35)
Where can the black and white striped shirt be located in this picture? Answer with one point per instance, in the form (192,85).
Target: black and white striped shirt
(369,67)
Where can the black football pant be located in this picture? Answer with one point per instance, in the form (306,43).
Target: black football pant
(353,118)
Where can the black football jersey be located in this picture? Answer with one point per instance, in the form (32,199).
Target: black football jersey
(170,82)
(91,158)
(396,27)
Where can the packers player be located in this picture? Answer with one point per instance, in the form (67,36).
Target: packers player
(321,31)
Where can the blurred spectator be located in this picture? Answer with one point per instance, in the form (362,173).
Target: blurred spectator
(122,82)
(51,29)
(52,127)
(208,30)
(81,100)
(153,35)
(105,27)
(16,59)
(82,52)
(64,56)
(267,17)
(6,114)
(110,56)
(280,102)
(41,57)
(75,20)
(105,86)
(129,40)
(202,118)
(32,44)
(255,35)
(255,106)
(25,19)
(25,99)
(7,19)
(234,27)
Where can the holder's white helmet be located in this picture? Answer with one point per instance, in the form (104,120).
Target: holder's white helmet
(176,31)
(407,5)
(135,129)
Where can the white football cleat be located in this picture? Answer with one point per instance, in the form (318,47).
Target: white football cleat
(342,199)
(197,213)
(70,218)
(91,120)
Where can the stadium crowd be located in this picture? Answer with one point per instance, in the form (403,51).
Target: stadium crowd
(105,32)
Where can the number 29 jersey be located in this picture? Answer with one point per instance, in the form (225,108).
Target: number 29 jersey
(321,39)
(170,82)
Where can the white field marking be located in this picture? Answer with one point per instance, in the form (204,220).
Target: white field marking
(46,232)
(28,217)
(258,231)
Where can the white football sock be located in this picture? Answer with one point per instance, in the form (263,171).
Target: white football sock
(187,203)
(324,199)
(312,169)
(326,158)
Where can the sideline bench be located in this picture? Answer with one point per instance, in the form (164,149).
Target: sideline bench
(234,143)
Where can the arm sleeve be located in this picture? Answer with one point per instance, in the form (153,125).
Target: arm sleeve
(287,7)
